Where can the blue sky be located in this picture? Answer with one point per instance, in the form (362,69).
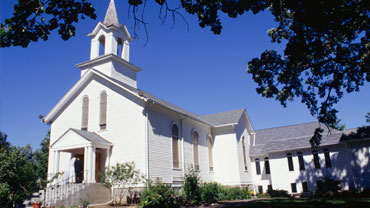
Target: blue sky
(196,70)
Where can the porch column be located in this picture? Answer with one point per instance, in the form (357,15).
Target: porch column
(107,158)
(93,160)
(86,165)
(56,161)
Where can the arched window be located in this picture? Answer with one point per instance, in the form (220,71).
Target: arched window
(85,113)
(103,110)
(120,47)
(290,161)
(316,160)
(327,158)
(258,166)
(244,154)
(267,166)
(175,147)
(101,45)
(301,161)
(195,150)
(210,153)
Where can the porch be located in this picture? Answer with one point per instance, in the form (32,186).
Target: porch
(89,149)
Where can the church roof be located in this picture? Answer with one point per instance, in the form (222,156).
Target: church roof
(291,137)
(224,118)
(92,137)
(111,15)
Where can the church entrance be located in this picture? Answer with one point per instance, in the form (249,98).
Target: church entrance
(97,166)
(79,167)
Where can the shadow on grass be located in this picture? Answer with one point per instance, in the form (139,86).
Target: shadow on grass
(302,203)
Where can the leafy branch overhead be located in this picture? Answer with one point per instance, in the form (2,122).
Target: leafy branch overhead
(327,48)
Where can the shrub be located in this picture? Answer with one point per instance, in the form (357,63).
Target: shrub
(192,186)
(160,195)
(210,192)
(233,193)
(278,193)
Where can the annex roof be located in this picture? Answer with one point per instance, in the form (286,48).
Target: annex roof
(291,137)
(224,118)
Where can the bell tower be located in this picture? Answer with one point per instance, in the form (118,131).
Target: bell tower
(110,49)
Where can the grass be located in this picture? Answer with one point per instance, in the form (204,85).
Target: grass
(306,203)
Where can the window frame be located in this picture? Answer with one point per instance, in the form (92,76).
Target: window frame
(290,161)
(293,187)
(85,113)
(210,143)
(301,161)
(267,166)
(103,124)
(328,163)
(258,166)
(196,150)
(316,159)
(244,151)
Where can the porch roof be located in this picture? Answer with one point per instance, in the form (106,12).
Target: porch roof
(75,138)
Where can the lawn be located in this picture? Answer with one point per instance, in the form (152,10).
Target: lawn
(302,203)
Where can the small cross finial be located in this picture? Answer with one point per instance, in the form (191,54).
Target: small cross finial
(111,15)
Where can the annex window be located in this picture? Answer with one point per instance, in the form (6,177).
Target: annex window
(304,186)
(85,113)
(195,150)
(320,185)
(101,45)
(258,166)
(260,189)
(327,158)
(301,161)
(267,165)
(103,111)
(210,153)
(269,188)
(244,154)
(290,161)
(294,187)
(175,147)
(316,159)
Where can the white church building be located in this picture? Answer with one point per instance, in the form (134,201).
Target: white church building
(106,119)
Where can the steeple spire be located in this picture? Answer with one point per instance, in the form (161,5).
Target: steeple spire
(111,15)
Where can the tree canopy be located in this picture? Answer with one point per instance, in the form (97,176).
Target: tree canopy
(327,50)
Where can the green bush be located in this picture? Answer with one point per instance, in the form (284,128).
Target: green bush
(210,192)
(278,193)
(233,193)
(192,187)
(160,195)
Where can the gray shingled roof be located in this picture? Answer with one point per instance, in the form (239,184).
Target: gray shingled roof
(224,118)
(92,137)
(291,137)
(111,15)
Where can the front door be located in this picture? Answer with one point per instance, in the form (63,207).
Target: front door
(97,166)
(80,175)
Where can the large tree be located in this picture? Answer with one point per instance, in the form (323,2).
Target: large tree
(327,49)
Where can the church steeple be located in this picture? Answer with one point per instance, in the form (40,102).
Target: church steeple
(111,15)
(110,49)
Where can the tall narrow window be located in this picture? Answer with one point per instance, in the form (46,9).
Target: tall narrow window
(101,45)
(327,158)
(290,161)
(119,47)
(103,111)
(294,187)
(304,186)
(244,154)
(269,188)
(85,113)
(175,147)
(316,159)
(301,161)
(258,166)
(195,150)
(267,166)
(260,189)
(210,153)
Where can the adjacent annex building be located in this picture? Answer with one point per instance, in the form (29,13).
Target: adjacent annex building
(106,119)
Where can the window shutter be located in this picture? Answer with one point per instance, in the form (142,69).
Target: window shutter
(103,110)
(175,147)
(195,150)
(85,113)
(210,153)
